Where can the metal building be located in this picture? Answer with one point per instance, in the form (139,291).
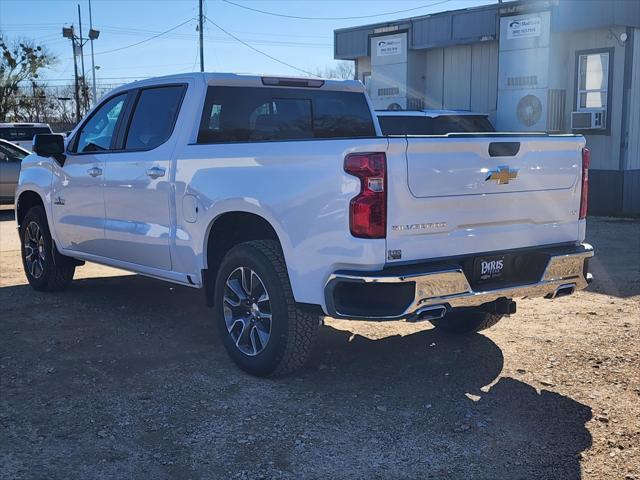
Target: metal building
(548,65)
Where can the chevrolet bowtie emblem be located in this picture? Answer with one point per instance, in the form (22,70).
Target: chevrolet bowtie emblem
(502,174)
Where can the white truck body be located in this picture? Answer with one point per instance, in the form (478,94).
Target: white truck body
(22,134)
(152,211)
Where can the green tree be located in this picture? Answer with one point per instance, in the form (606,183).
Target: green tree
(21,61)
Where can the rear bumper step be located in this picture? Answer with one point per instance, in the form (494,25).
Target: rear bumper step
(420,294)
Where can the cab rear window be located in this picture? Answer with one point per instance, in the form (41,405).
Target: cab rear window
(251,114)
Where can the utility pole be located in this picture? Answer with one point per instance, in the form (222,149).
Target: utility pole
(200,27)
(67,32)
(84,79)
(76,44)
(75,76)
(93,65)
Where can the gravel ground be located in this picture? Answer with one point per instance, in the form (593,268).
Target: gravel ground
(124,377)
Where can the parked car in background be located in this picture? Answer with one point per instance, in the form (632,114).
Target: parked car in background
(283,201)
(22,133)
(10,159)
(432,122)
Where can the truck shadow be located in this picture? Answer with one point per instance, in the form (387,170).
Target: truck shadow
(436,395)
(615,266)
(143,361)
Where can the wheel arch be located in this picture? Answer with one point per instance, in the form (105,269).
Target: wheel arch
(224,232)
(26,201)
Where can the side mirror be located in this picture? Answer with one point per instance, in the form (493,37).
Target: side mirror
(50,145)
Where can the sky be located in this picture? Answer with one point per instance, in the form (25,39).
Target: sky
(306,44)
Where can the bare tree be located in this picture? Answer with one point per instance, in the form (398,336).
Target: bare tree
(19,62)
(343,70)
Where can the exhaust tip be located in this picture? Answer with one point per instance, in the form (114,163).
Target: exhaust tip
(425,314)
(563,291)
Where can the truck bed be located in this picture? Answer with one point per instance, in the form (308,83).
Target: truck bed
(460,194)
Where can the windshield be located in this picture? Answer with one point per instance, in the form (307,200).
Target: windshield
(16,134)
(419,125)
(11,153)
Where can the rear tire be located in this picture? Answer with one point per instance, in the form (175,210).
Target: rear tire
(261,327)
(45,268)
(466,320)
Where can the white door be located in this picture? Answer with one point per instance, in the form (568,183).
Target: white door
(137,185)
(77,192)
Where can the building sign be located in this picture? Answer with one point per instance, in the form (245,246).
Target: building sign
(390,46)
(524,27)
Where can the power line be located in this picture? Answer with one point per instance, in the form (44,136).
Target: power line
(119,30)
(262,41)
(256,50)
(275,43)
(275,14)
(134,30)
(147,39)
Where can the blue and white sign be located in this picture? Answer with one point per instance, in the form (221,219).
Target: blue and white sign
(524,27)
(389,46)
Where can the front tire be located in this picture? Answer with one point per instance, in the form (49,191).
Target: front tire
(261,327)
(38,254)
(466,320)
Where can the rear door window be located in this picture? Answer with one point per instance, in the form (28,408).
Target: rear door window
(253,114)
(154,116)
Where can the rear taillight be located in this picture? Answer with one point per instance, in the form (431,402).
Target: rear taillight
(584,194)
(368,210)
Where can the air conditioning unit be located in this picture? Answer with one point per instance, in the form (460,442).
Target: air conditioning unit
(589,120)
(522,110)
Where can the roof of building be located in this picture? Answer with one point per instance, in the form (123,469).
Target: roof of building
(476,24)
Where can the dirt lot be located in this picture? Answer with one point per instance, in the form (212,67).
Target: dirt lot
(124,377)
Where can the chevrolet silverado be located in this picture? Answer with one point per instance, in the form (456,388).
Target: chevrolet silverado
(283,201)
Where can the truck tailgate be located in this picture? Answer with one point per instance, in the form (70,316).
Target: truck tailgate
(464,194)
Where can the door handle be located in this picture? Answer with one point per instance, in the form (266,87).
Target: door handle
(155,172)
(95,171)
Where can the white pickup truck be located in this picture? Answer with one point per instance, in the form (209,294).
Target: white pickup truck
(282,200)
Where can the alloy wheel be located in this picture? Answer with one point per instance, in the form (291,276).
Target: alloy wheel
(34,250)
(247,311)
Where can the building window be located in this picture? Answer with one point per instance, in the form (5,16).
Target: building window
(593,81)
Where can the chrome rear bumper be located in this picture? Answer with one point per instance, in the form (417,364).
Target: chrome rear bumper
(450,287)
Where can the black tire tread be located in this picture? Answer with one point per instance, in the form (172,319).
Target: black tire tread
(61,278)
(303,327)
(60,274)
